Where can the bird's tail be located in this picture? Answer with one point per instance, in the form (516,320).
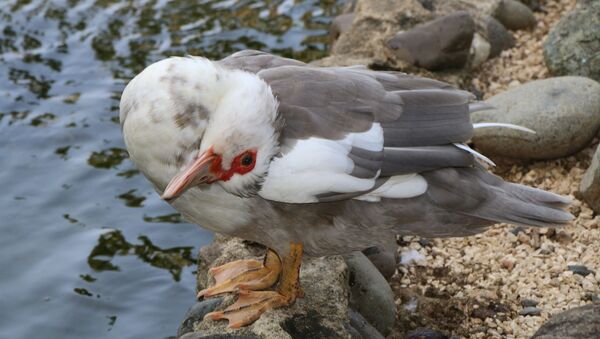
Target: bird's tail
(476,193)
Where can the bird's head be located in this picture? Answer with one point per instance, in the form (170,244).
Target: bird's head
(231,145)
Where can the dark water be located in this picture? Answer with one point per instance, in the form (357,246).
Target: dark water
(87,250)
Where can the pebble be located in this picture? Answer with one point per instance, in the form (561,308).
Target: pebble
(340,25)
(573,44)
(499,38)
(530,311)
(529,303)
(371,294)
(580,269)
(443,43)
(562,111)
(514,15)
(362,327)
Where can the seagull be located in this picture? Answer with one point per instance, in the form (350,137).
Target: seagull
(313,160)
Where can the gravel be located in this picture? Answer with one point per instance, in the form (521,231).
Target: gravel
(462,274)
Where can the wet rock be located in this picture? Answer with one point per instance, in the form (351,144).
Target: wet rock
(573,44)
(579,269)
(322,312)
(580,322)
(371,294)
(514,15)
(499,38)
(385,259)
(197,313)
(425,334)
(340,25)
(562,111)
(363,329)
(529,303)
(590,183)
(440,44)
(530,311)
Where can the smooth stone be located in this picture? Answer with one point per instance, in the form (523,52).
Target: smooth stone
(425,334)
(579,269)
(363,329)
(573,44)
(576,323)
(340,25)
(443,43)
(371,294)
(564,112)
(529,303)
(514,15)
(197,313)
(590,183)
(480,50)
(385,258)
(498,36)
(530,311)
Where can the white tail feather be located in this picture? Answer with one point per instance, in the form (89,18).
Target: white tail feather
(475,153)
(502,125)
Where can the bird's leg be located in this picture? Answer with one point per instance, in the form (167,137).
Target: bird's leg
(244,275)
(251,304)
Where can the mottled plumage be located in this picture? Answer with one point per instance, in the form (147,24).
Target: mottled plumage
(346,157)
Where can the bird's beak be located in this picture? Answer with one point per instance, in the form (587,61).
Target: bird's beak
(196,173)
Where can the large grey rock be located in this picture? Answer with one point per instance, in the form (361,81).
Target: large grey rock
(590,183)
(564,112)
(440,44)
(371,294)
(577,323)
(322,313)
(573,44)
(514,15)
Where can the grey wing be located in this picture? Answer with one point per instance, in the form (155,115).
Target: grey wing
(254,61)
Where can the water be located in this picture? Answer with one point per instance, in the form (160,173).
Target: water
(87,250)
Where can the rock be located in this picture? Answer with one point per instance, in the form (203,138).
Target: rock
(340,25)
(530,311)
(514,15)
(385,259)
(480,51)
(579,269)
(440,44)
(364,330)
(573,45)
(590,183)
(217,336)
(371,294)
(197,313)
(322,312)
(498,37)
(425,334)
(562,111)
(529,303)
(580,322)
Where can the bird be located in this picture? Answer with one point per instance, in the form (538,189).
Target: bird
(314,161)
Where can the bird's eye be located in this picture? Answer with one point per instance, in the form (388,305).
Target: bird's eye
(247,160)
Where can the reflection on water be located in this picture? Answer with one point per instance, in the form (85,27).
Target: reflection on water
(88,250)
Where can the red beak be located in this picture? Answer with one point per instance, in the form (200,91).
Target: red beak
(196,173)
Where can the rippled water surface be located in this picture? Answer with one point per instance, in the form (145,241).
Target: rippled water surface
(87,250)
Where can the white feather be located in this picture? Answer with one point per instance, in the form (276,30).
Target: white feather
(502,125)
(398,187)
(316,166)
(475,153)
